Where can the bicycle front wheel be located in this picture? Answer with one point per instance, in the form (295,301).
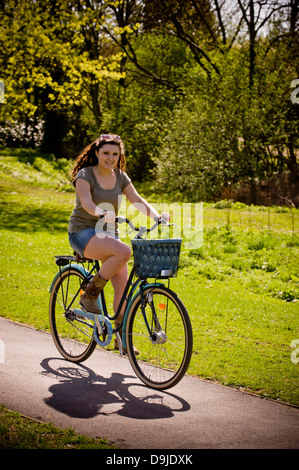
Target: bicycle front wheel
(162,333)
(72,335)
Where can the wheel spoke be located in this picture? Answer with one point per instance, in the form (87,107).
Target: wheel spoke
(72,336)
(165,353)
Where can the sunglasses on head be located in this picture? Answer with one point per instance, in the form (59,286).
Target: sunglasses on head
(110,137)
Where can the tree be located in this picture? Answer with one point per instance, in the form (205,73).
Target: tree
(198,89)
(56,63)
(191,21)
(256,15)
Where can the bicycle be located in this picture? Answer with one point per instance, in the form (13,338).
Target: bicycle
(155,320)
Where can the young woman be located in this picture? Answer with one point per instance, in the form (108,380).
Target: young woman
(100,179)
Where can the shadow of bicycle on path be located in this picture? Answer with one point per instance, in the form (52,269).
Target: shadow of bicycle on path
(81,393)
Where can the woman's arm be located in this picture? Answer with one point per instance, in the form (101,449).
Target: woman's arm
(141,204)
(83,190)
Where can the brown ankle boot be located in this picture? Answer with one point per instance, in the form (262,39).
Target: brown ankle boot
(88,299)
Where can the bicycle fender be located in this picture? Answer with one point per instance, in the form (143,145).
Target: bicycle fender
(129,306)
(65,268)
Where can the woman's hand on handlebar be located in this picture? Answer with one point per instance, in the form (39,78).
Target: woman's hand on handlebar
(109,216)
(165,217)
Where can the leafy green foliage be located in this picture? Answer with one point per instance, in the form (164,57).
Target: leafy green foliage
(200,103)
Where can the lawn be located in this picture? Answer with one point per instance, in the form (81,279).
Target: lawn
(240,287)
(19,432)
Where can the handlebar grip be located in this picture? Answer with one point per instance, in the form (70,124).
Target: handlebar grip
(102,214)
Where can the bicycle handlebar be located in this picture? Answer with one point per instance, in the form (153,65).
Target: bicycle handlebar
(141,230)
(121,220)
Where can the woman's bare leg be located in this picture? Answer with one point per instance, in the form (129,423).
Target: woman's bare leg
(113,254)
(119,281)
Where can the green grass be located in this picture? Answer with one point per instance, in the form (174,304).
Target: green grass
(20,432)
(240,288)
(40,170)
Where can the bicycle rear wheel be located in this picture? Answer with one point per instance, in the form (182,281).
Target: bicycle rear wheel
(166,347)
(72,335)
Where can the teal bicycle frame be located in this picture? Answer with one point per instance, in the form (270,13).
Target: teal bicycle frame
(131,292)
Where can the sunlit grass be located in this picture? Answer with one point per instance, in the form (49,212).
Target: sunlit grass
(19,432)
(240,288)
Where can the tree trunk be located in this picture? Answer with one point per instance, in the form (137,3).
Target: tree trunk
(54,132)
(252,36)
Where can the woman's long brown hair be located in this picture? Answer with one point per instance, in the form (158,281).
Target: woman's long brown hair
(88,156)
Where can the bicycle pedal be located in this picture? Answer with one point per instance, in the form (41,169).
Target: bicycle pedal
(102,328)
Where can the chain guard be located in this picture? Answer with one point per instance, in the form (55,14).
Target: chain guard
(104,324)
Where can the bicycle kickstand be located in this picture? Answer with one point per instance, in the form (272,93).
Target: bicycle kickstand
(120,343)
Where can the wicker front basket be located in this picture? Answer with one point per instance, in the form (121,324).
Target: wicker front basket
(156,258)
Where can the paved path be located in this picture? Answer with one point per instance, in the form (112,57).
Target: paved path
(103,398)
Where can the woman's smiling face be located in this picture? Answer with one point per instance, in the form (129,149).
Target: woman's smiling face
(108,156)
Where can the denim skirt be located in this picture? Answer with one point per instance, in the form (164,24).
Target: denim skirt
(79,240)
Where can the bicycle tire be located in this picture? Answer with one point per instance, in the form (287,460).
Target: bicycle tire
(68,332)
(165,353)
